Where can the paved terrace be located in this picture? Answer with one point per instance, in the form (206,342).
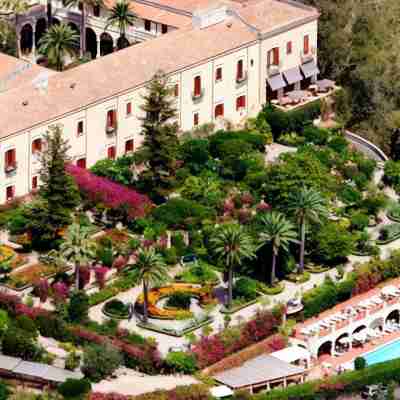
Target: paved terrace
(367,311)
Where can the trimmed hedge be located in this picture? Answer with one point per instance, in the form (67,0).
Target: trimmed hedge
(346,383)
(290,121)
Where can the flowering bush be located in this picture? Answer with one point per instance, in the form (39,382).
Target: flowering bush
(84,277)
(212,349)
(109,193)
(42,289)
(60,291)
(366,281)
(108,396)
(119,263)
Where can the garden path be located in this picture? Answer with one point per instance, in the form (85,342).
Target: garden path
(123,383)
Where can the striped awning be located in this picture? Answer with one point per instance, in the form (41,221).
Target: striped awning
(293,75)
(309,69)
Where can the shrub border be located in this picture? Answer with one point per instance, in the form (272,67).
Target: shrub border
(230,311)
(111,315)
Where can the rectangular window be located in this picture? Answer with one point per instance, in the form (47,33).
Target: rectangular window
(34,182)
(196,119)
(129,146)
(10,159)
(289,48)
(10,192)
(176,90)
(37,146)
(197,86)
(219,110)
(240,102)
(111,153)
(79,128)
(111,119)
(81,163)
(164,29)
(218,74)
(128,109)
(239,70)
(306,44)
(147,25)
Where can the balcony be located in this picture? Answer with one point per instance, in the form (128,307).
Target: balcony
(198,96)
(10,168)
(273,69)
(241,79)
(111,130)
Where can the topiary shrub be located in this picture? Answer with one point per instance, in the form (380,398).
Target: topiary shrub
(359,221)
(315,135)
(181,362)
(360,363)
(180,300)
(74,388)
(28,325)
(116,308)
(54,327)
(100,361)
(245,288)
(78,307)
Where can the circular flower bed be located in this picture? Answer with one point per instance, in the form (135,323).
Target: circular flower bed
(116,309)
(6,254)
(157,294)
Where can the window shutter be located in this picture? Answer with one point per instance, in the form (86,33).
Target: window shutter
(10,157)
(176,90)
(81,163)
(269,58)
(79,129)
(197,86)
(239,70)
(129,145)
(10,190)
(34,183)
(195,119)
(289,48)
(276,56)
(111,152)
(306,44)
(128,108)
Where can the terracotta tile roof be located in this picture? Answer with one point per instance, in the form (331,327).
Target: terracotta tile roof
(185,5)
(155,13)
(124,70)
(15,73)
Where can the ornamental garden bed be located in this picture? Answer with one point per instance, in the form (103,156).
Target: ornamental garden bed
(299,278)
(115,235)
(116,309)
(199,273)
(10,259)
(155,295)
(239,306)
(25,277)
(388,233)
(193,325)
(271,290)
(316,269)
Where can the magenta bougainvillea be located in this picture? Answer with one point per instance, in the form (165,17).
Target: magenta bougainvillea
(42,289)
(109,193)
(84,277)
(60,291)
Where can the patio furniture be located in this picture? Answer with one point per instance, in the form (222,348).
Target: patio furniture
(297,95)
(324,85)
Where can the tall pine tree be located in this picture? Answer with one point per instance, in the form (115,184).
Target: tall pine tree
(160,145)
(58,194)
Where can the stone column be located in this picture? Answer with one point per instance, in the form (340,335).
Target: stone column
(34,41)
(98,48)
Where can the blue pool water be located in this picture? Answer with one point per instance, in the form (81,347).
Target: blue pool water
(384,353)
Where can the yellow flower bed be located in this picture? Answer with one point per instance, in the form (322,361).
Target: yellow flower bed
(156,294)
(6,253)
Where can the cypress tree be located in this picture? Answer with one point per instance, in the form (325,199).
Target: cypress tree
(160,138)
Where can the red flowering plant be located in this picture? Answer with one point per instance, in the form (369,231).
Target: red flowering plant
(42,289)
(60,291)
(84,277)
(109,193)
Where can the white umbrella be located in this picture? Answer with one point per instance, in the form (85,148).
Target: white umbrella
(344,340)
(390,291)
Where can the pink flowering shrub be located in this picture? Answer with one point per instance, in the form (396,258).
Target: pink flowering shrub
(109,193)
(108,396)
(211,349)
(60,292)
(262,206)
(119,263)
(31,312)
(247,199)
(100,274)
(84,277)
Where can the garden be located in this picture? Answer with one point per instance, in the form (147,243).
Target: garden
(189,231)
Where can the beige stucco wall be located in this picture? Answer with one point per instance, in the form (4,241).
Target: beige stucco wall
(94,142)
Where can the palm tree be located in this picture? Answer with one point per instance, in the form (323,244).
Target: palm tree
(307,205)
(151,270)
(84,4)
(122,17)
(58,42)
(232,245)
(77,248)
(279,232)
(17,7)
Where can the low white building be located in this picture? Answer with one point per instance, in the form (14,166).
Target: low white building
(226,64)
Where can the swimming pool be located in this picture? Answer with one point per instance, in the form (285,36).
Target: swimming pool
(385,353)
